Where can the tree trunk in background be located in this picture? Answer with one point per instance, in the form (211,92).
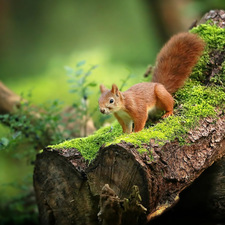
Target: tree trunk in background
(167,17)
(70,190)
(8,100)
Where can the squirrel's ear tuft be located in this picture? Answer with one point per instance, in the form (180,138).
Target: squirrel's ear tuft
(103,88)
(115,90)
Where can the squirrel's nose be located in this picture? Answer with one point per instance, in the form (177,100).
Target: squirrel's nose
(102,111)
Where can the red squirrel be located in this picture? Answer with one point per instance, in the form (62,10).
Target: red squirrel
(174,65)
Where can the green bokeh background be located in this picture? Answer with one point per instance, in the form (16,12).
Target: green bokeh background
(39,38)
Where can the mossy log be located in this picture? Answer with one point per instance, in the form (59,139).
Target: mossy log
(123,186)
(68,190)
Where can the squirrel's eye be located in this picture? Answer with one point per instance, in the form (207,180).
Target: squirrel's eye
(111,100)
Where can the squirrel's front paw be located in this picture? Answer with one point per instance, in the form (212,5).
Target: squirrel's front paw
(167,114)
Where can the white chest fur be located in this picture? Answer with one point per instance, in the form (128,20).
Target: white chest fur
(152,110)
(123,115)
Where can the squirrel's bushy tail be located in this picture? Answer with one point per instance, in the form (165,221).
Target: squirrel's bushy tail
(176,60)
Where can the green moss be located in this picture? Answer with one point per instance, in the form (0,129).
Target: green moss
(215,38)
(89,146)
(219,78)
(193,102)
(212,35)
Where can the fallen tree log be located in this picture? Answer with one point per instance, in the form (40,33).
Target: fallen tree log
(72,190)
(67,189)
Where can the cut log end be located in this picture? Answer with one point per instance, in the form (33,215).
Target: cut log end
(63,180)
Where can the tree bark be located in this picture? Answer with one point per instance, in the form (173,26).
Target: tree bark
(68,190)
(122,186)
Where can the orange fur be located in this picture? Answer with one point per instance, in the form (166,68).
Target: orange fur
(176,60)
(174,65)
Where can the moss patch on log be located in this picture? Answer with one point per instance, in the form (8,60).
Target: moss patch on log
(201,96)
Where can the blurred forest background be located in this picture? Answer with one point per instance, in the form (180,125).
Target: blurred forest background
(39,39)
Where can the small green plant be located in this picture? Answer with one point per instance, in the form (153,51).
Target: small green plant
(80,85)
(31,128)
(36,125)
(45,124)
(124,81)
(78,79)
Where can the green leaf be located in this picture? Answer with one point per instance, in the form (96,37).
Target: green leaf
(55,118)
(78,72)
(68,69)
(55,102)
(72,91)
(16,134)
(4,141)
(75,105)
(81,63)
(92,84)
(70,81)
(75,86)
(6,116)
(81,81)
(88,73)
(23,118)
(94,67)
(132,76)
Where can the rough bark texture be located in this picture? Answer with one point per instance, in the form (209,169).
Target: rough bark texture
(63,195)
(70,190)
(216,15)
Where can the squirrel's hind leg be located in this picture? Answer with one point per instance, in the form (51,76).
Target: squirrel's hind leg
(140,121)
(164,100)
